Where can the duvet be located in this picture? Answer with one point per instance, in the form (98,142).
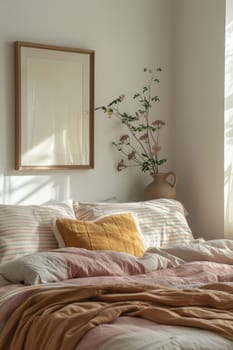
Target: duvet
(174,298)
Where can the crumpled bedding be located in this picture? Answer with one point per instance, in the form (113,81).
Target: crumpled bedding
(73,311)
(183,267)
(66,263)
(219,251)
(127,333)
(60,264)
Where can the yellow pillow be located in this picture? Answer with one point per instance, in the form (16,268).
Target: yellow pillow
(116,232)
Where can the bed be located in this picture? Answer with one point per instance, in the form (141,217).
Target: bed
(109,276)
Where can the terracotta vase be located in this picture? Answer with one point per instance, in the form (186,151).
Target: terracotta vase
(160,187)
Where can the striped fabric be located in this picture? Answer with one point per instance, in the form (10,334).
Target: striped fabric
(28,229)
(162,221)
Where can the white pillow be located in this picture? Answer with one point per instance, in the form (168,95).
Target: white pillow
(25,229)
(162,222)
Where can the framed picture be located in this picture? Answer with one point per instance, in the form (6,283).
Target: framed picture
(54,95)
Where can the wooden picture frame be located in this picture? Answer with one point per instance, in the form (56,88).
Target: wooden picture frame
(54,107)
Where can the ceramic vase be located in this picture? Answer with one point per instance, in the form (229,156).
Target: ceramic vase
(162,186)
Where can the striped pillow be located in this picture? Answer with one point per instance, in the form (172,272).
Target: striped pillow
(162,221)
(27,229)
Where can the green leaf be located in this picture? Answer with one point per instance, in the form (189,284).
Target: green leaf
(155,98)
(144,155)
(101,107)
(161,161)
(114,102)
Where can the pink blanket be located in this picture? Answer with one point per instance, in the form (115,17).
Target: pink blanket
(177,267)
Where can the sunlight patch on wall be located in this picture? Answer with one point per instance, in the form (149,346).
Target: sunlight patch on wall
(228,134)
(34,189)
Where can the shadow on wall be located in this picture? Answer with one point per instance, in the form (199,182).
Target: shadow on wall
(228,147)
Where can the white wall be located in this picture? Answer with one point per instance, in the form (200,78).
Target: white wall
(186,38)
(228,149)
(127,36)
(198,104)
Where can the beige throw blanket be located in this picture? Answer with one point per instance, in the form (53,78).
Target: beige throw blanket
(58,318)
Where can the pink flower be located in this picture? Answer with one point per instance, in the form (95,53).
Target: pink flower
(144,138)
(158,123)
(156,149)
(121,165)
(124,139)
(140,145)
(131,155)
